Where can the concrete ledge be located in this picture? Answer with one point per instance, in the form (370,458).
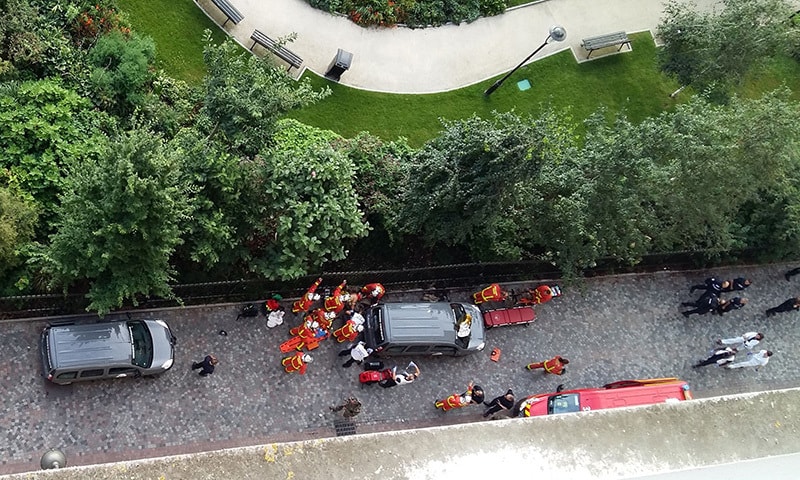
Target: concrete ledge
(606,444)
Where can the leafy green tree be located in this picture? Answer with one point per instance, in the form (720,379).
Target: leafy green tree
(120,221)
(712,161)
(17,221)
(121,77)
(703,49)
(468,187)
(216,180)
(44,127)
(245,95)
(302,210)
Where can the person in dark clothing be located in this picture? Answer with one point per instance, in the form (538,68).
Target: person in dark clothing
(478,395)
(733,304)
(787,306)
(207,365)
(707,303)
(711,286)
(503,402)
(721,357)
(737,284)
(791,273)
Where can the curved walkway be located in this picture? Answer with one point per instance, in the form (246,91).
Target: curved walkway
(403,60)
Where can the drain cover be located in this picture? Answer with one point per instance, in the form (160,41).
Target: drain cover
(344,427)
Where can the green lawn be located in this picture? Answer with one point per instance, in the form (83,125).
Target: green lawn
(177,27)
(629,81)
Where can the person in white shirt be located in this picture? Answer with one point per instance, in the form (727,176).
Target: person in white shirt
(357,354)
(756,360)
(720,357)
(402,378)
(748,340)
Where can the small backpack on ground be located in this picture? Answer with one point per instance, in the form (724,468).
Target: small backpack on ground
(249,310)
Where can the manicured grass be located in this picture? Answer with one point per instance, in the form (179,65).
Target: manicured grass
(629,81)
(177,27)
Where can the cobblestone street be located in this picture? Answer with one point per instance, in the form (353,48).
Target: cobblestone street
(611,328)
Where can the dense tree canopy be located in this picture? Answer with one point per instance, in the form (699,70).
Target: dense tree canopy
(245,95)
(213,181)
(704,49)
(120,220)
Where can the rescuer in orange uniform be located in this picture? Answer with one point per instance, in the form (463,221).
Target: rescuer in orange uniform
(456,400)
(373,291)
(307,299)
(555,365)
(335,303)
(541,294)
(349,332)
(323,318)
(297,363)
(492,293)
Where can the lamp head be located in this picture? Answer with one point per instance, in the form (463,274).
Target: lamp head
(558,33)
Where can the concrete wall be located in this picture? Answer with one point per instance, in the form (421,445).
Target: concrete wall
(606,444)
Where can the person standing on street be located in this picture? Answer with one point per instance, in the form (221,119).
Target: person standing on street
(733,304)
(207,365)
(400,379)
(759,359)
(707,303)
(791,273)
(721,357)
(455,400)
(373,291)
(787,306)
(711,285)
(307,300)
(555,365)
(357,354)
(747,340)
(503,402)
(297,362)
(737,284)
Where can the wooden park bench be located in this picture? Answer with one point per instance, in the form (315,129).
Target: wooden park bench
(229,10)
(284,53)
(608,40)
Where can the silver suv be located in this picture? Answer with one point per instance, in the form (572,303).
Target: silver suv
(438,328)
(133,348)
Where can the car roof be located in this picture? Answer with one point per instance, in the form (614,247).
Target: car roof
(81,345)
(420,322)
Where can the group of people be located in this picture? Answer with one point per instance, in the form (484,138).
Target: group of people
(317,323)
(724,355)
(711,302)
(474,395)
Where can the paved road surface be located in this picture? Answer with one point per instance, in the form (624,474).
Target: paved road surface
(611,328)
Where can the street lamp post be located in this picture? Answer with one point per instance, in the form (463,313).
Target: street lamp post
(557,33)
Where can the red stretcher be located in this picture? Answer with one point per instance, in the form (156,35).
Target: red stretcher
(508,316)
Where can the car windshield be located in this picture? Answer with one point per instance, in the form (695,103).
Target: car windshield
(463,324)
(566,403)
(142,344)
(376,325)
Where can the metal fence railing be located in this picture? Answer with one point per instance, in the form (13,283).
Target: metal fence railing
(423,278)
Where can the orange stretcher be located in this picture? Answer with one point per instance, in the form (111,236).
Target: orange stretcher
(298,343)
(508,316)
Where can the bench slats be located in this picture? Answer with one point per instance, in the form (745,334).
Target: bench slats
(290,57)
(229,10)
(601,41)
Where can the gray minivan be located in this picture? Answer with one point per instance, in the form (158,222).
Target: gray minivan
(438,328)
(93,351)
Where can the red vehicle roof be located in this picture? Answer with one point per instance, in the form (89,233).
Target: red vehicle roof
(625,393)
